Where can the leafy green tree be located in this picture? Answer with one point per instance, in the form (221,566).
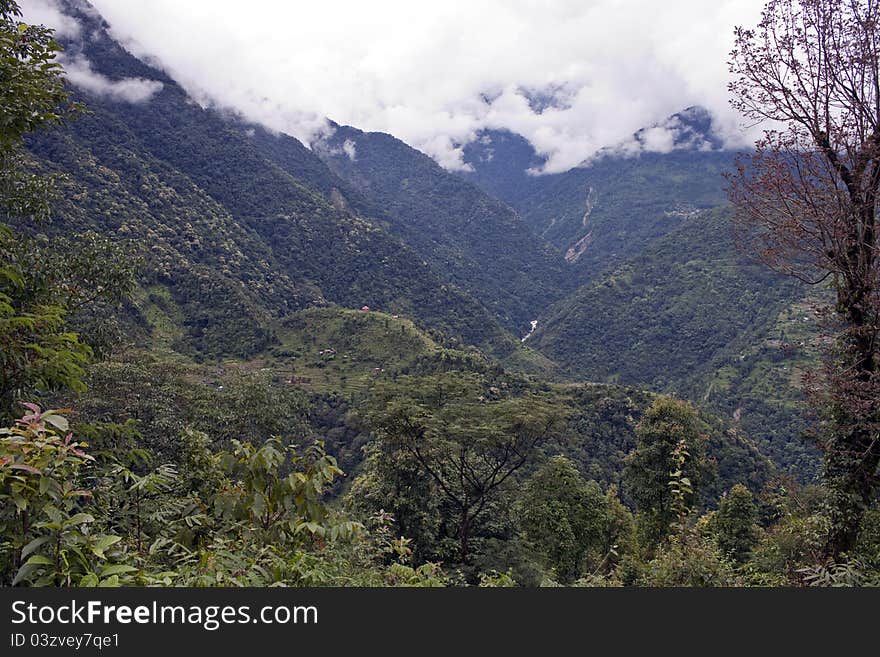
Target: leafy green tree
(32,96)
(166,398)
(48,290)
(279,504)
(668,431)
(466,436)
(619,536)
(393,479)
(143,498)
(735,524)
(50,535)
(68,518)
(793,541)
(563,515)
(87,275)
(38,351)
(686,559)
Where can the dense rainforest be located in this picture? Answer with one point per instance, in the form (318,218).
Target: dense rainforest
(233,359)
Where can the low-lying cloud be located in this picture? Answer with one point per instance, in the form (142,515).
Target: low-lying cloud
(571,76)
(131,90)
(46,12)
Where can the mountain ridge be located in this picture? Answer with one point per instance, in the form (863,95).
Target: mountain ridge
(314,251)
(480,243)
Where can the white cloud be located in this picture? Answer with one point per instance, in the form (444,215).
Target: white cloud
(684,130)
(658,139)
(79,69)
(350,149)
(132,90)
(45,12)
(434,74)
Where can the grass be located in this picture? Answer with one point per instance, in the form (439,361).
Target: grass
(343,350)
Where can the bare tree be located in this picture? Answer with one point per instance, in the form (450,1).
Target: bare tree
(806,202)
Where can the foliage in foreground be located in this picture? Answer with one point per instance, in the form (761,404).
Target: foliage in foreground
(250,516)
(259,513)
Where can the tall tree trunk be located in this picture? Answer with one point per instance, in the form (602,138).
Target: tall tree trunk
(851,462)
(464,535)
(851,475)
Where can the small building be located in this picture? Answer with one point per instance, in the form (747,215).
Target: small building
(365,309)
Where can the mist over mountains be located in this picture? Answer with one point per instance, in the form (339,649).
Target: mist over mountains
(625,261)
(439,295)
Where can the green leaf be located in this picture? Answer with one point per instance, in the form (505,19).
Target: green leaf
(102,543)
(117,569)
(33,545)
(58,421)
(40,560)
(106,540)
(312,527)
(89,580)
(259,504)
(20,502)
(25,572)
(79,519)
(54,514)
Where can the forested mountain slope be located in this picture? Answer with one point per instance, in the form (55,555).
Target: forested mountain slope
(319,381)
(665,299)
(504,164)
(689,315)
(613,205)
(240,229)
(606,212)
(477,242)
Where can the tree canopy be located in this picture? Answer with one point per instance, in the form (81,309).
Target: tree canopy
(807,204)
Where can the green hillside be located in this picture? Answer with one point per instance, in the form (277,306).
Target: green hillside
(335,360)
(604,213)
(690,315)
(228,358)
(478,243)
(665,300)
(237,238)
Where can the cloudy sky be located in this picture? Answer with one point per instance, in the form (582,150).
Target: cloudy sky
(434,73)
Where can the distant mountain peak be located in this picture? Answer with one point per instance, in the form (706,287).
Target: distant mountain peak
(551,96)
(692,129)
